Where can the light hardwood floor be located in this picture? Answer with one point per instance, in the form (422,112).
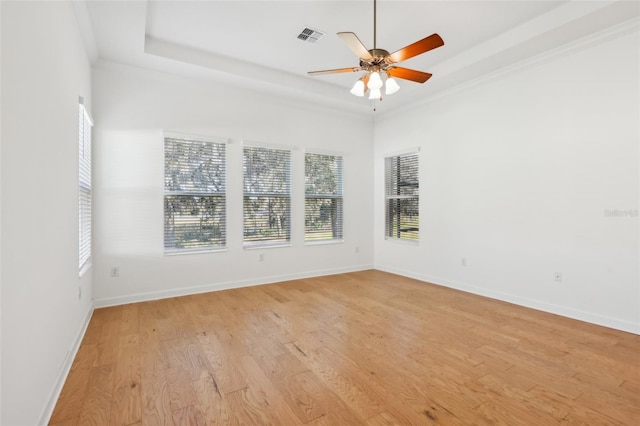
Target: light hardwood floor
(361,348)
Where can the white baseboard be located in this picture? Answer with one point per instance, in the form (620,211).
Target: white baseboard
(564,311)
(64,370)
(206,288)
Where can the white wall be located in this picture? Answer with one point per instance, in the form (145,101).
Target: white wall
(132,107)
(44,71)
(518,174)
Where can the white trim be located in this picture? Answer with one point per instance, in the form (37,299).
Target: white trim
(257,245)
(402,241)
(185,252)
(45,417)
(321,151)
(268,145)
(539,305)
(200,138)
(404,152)
(324,242)
(206,288)
(87,114)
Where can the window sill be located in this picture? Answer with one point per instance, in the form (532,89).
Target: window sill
(265,245)
(401,241)
(323,242)
(187,252)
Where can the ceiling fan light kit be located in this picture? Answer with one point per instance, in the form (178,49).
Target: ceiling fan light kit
(375,82)
(376,61)
(391,86)
(359,88)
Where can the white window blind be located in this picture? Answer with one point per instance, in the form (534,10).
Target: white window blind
(267,196)
(194,195)
(402,197)
(323,197)
(84,186)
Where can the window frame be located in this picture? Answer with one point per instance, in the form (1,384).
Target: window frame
(337,194)
(393,195)
(199,197)
(85,188)
(258,243)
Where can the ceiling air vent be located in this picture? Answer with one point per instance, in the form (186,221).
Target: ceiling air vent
(310,35)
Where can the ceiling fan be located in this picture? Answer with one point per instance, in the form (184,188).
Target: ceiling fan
(376,61)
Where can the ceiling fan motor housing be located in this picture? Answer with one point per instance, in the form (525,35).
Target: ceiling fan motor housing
(377,62)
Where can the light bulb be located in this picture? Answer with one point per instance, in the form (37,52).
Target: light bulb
(391,86)
(375,82)
(375,94)
(358,88)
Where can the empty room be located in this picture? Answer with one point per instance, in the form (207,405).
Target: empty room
(320,212)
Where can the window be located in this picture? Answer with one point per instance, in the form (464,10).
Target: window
(84,187)
(194,195)
(402,196)
(323,197)
(267,196)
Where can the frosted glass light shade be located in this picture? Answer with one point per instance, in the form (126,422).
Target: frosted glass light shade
(375,82)
(375,94)
(358,88)
(391,86)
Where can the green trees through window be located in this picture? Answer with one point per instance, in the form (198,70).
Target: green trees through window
(402,191)
(323,197)
(195,195)
(267,195)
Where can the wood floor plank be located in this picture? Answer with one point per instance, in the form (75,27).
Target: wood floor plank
(156,409)
(311,399)
(351,349)
(342,381)
(180,386)
(73,393)
(247,409)
(130,323)
(126,406)
(225,375)
(189,416)
(74,421)
(96,407)
(262,388)
(212,402)
(509,412)
(303,393)
(625,410)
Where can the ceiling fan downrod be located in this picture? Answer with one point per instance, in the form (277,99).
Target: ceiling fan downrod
(374,23)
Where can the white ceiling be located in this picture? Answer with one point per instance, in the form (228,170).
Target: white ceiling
(254,43)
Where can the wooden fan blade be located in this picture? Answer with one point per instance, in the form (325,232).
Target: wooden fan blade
(417,48)
(356,46)
(335,71)
(407,74)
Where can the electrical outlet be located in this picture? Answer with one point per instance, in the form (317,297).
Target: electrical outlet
(115,272)
(463,261)
(79,293)
(557,277)
(261,257)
